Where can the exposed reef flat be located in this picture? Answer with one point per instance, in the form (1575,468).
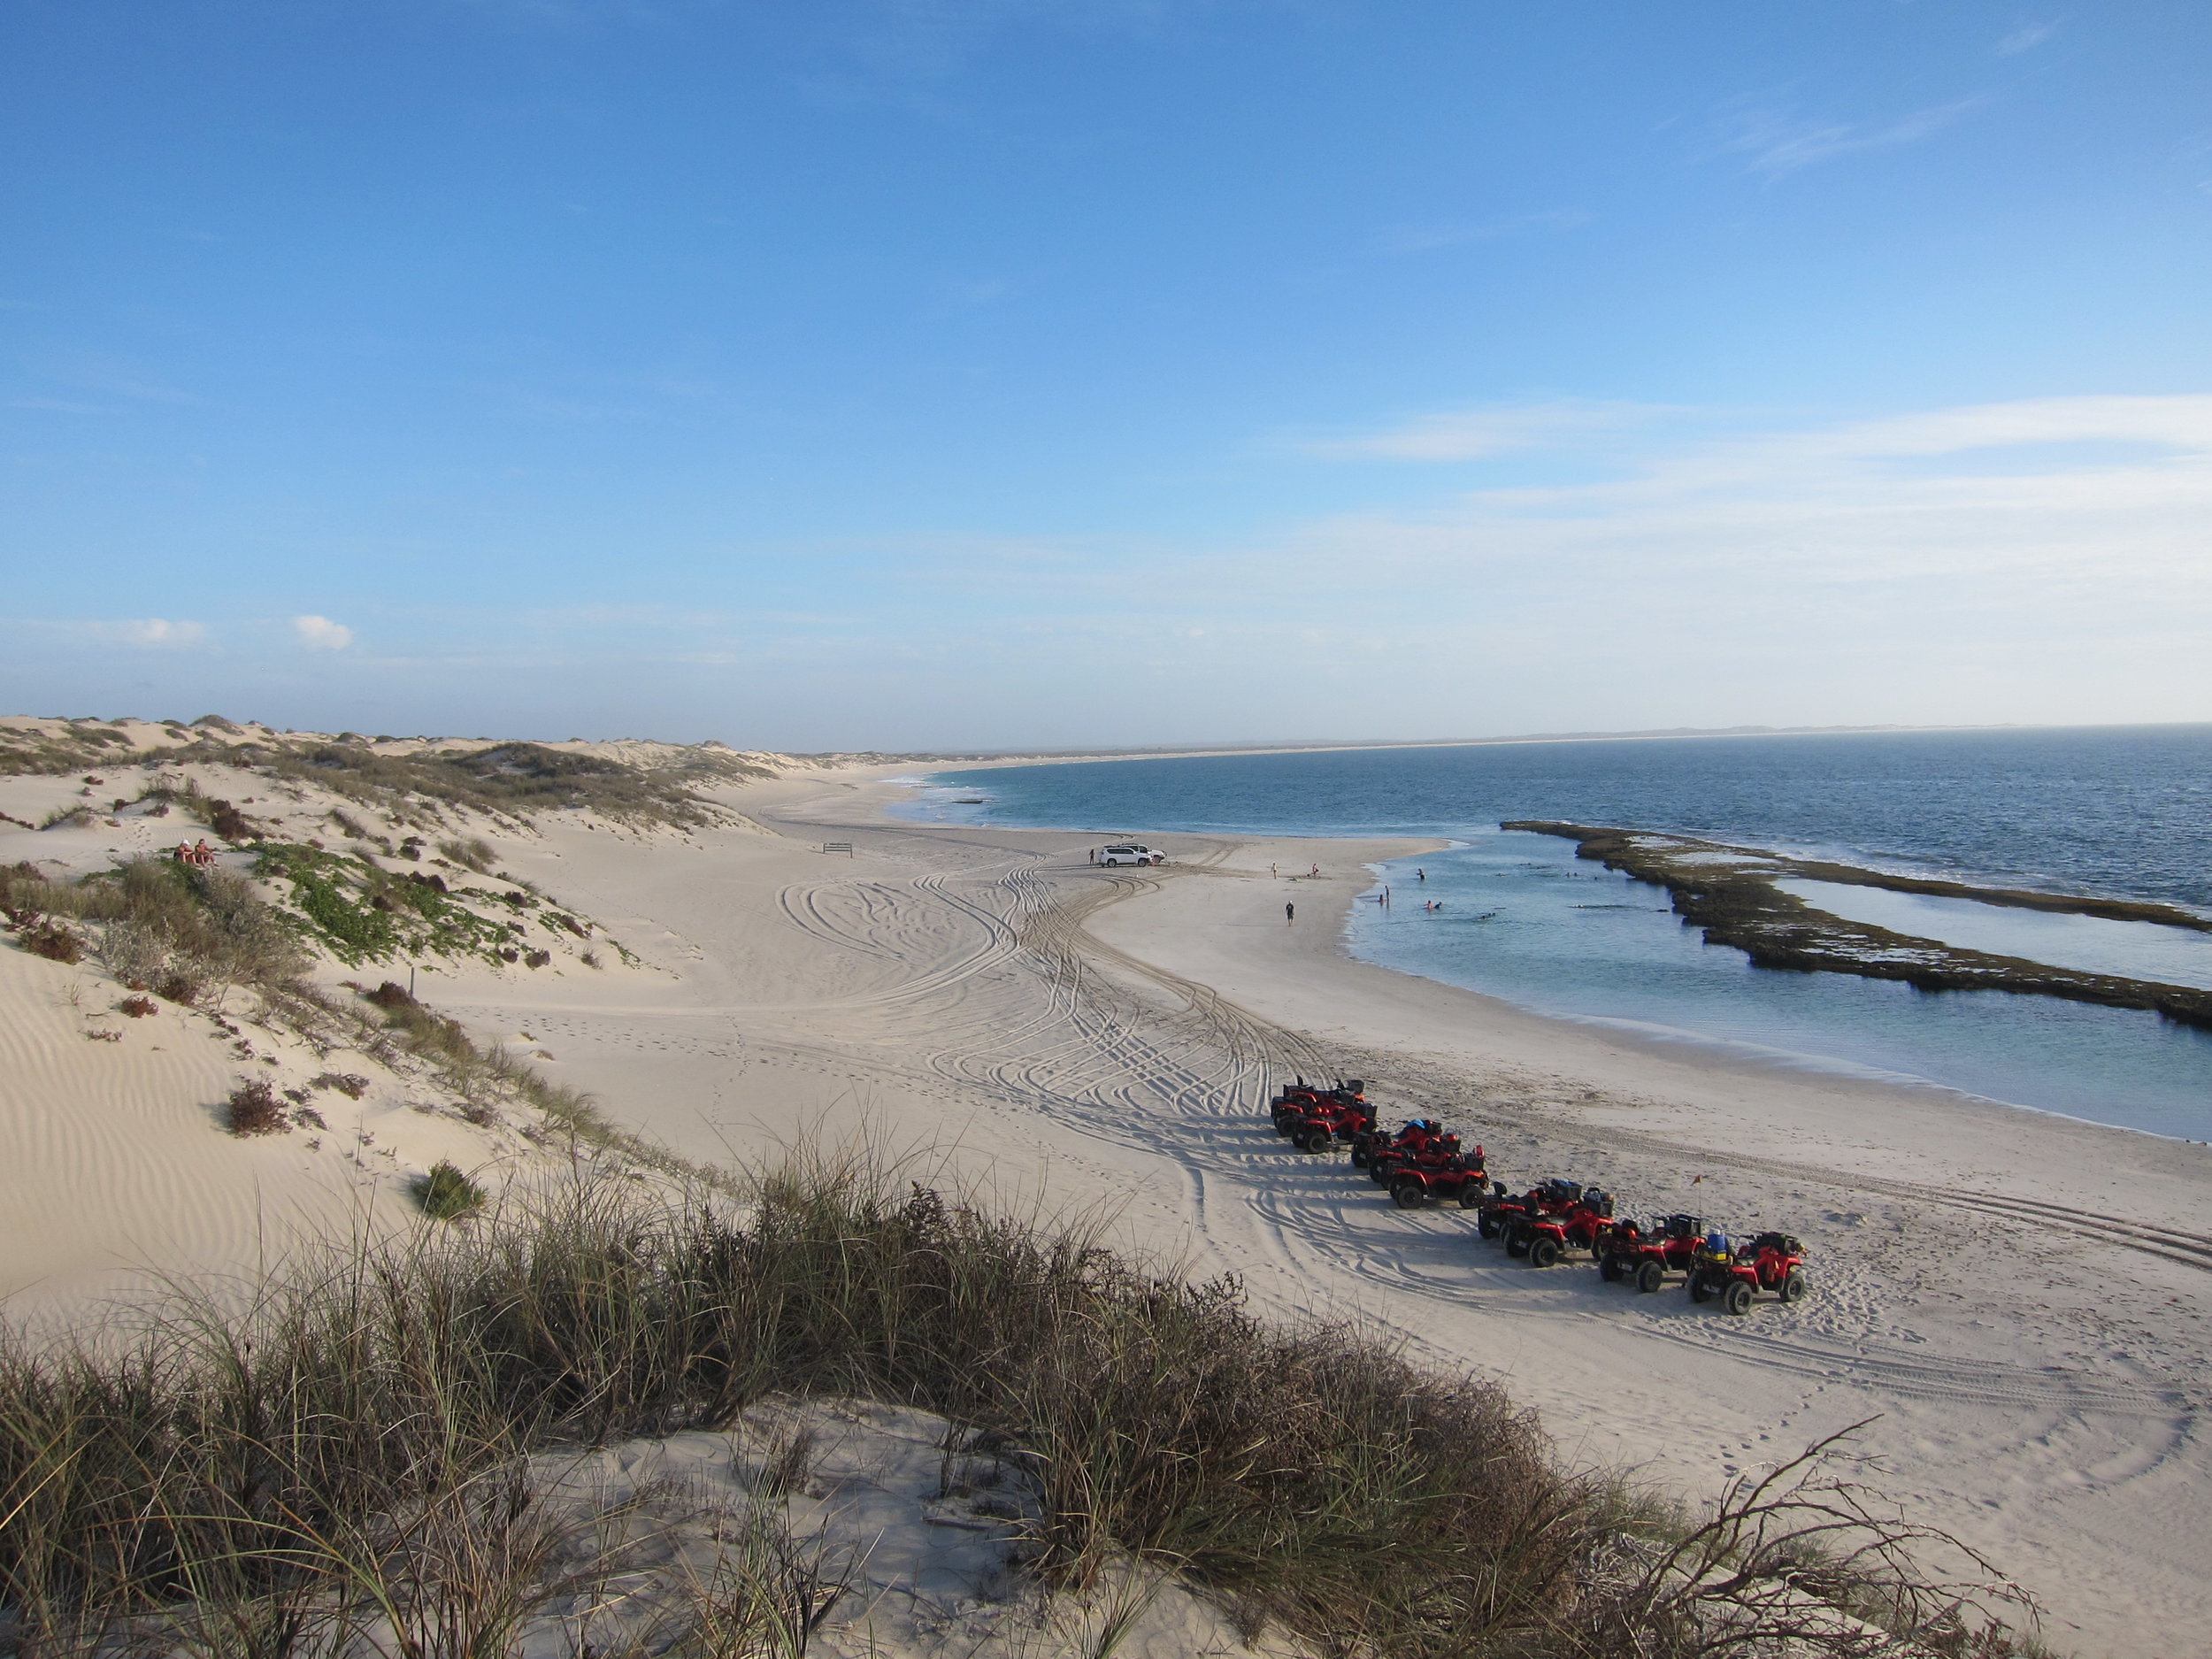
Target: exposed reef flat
(1730,892)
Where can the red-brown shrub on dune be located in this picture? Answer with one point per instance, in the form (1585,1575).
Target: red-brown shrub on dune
(255,1109)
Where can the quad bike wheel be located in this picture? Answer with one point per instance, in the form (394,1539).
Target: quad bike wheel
(1485,1225)
(1543,1252)
(1317,1141)
(1649,1276)
(1736,1297)
(1359,1157)
(1701,1287)
(1470,1195)
(1609,1268)
(1282,1125)
(1517,1242)
(1793,1288)
(1408,1194)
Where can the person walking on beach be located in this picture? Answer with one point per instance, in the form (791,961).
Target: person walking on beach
(1290,913)
(1272,871)
(1315,871)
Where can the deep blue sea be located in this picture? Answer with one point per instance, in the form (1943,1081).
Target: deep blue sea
(2118,811)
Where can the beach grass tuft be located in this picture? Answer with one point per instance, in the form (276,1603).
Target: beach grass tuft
(471,852)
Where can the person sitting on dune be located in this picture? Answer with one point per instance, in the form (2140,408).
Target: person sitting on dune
(202,855)
(184,852)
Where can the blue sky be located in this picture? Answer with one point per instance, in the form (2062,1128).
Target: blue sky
(944,372)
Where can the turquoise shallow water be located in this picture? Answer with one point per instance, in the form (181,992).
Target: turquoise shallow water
(2120,811)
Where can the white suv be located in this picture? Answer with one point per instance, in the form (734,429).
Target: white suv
(1130,853)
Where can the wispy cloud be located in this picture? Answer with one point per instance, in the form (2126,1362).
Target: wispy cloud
(966,292)
(2035,560)
(1778,142)
(2107,492)
(146,630)
(108,376)
(2027,37)
(321,634)
(1465,434)
(55,405)
(1406,239)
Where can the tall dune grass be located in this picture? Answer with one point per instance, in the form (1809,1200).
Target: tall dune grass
(240,1468)
(159,921)
(1295,1474)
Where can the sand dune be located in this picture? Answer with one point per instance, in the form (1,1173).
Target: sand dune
(117,1169)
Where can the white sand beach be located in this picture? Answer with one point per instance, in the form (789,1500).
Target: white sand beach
(2015,1304)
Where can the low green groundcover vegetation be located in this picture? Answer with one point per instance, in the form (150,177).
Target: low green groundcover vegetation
(361,912)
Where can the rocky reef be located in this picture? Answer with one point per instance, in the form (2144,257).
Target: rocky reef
(1730,892)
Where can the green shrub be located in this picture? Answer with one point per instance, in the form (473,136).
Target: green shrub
(446,1195)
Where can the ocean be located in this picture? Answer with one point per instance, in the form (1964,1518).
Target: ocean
(2114,811)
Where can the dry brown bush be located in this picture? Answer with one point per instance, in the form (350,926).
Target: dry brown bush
(49,939)
(254,1108)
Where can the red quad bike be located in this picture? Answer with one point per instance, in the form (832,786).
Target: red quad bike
(1435,1180)
(1314,1119)
(1375,1143)
(1296,1100)
(1337,1118)
(1581,1226)
(1421,1142)
(1295,1097)
(1505,1211)
(1644,1255)
(1772,1262)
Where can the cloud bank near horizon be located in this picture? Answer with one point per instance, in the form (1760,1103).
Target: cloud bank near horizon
(2042,560)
